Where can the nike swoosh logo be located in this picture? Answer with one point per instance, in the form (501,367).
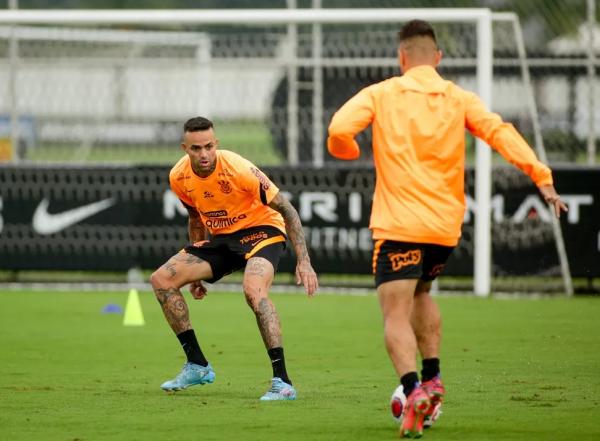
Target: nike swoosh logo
(46,223)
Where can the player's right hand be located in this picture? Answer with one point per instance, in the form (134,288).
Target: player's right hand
(198,290)
(552,197)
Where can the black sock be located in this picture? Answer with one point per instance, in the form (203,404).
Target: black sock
(278,363)
(431,368)
(190,345)
(409,382)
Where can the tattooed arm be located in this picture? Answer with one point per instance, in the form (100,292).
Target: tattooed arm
(197,233)
(305,273)
(293,226)
(196,229)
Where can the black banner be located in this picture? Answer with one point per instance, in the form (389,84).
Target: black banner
(115,218)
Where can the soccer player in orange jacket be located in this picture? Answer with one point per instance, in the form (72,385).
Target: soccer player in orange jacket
(418,122)
(238,219)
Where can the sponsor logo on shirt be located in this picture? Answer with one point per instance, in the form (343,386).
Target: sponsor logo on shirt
(217,213)
(208,194)
(223,222)
(400,260)
(264,181)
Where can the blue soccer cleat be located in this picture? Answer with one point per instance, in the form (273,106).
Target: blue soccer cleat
(190,375)
(280,390)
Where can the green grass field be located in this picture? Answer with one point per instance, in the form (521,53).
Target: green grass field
(514,370)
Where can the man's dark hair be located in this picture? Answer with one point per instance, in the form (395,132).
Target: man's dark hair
(416,28)
(197,124)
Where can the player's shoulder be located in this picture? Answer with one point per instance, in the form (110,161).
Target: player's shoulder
(454,88)
(233,160)
(390,86)
(379,86)
(180,169)
(461,95)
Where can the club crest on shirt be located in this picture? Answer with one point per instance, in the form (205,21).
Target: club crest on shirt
(224,186)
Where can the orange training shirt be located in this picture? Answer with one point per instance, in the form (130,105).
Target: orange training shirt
(418,122)
(233,197)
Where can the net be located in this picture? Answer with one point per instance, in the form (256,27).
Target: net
(108,94)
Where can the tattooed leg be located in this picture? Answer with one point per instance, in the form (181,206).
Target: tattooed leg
(268,323)
(180,270)
(258,277)
(181,265)
(174,308)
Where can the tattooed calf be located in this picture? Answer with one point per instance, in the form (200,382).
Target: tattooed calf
(174,308)
(268,323)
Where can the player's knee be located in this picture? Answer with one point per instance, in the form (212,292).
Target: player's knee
(158,279)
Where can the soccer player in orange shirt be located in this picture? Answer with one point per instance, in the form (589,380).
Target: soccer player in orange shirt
(237,219)
(418,122)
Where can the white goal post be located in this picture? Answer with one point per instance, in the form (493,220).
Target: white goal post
(482,18)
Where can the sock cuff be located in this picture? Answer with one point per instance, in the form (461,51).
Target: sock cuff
(409,381)
(275,353)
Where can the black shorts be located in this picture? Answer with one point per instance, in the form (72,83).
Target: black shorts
(227,253)
(404,260)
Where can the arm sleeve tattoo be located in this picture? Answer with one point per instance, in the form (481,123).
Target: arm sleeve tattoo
(196,229)
(293,226)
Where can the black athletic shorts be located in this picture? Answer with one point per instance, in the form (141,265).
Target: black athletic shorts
(404,260)
(227,253)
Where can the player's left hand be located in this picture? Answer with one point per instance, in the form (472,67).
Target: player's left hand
(305,275)
(198,290)
(552,197)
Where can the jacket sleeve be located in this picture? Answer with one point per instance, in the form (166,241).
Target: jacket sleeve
(505,139)
(352,118)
